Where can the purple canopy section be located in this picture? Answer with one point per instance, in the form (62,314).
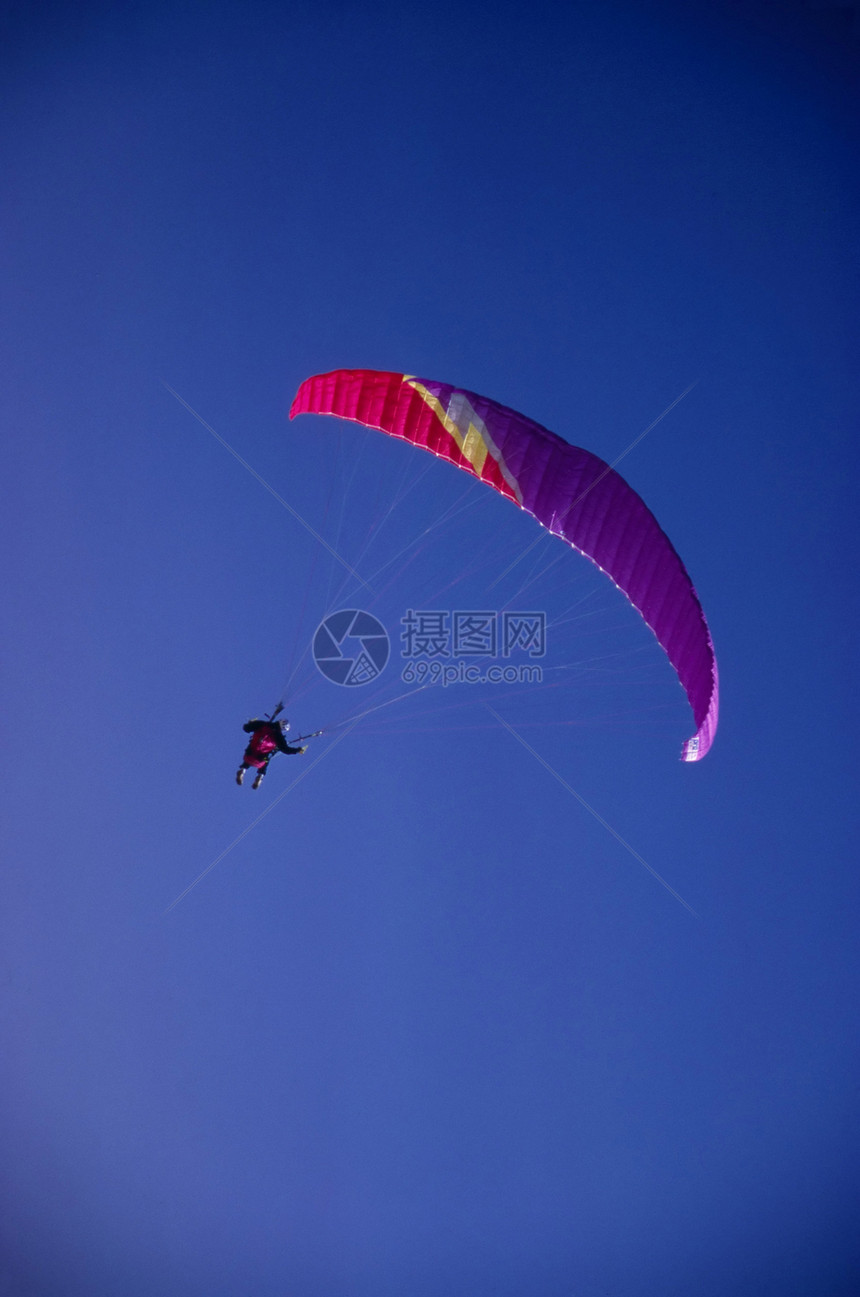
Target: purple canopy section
(580,498)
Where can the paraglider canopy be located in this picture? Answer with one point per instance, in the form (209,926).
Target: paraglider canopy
(574,494)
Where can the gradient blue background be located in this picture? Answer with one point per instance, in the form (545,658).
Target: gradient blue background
(428,1029)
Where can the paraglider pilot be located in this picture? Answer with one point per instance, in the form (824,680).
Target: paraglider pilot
(267,738)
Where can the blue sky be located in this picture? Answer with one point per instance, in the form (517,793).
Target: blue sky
(428,1027)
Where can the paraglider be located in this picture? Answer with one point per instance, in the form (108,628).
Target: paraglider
(573,493)
(267,737)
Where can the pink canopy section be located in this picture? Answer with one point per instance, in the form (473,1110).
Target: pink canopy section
(571,492)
